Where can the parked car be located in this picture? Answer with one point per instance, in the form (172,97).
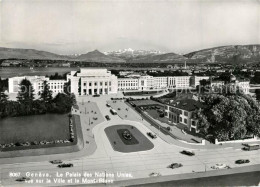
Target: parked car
(242,161)
(154,174)
(220,166)
(22,179)
(153,136)
(189,153)
(107,117)
(96,95)
(56,161)
(175,165)
(65,165)
(108,105)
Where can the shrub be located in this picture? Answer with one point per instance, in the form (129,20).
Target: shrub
(18,144)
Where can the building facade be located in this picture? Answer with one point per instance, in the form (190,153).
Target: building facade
(195,80)
(92,82)
(56,86)
(182,112)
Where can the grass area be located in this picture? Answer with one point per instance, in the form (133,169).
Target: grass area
(146,102)
(140,93)
(47,127)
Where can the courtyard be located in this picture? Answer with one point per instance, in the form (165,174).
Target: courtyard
(137,142)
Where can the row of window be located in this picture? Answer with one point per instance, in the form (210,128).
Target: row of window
(96,83)
(52,87)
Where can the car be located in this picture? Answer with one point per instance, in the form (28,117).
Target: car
(189,153)
(22,179)
(220,166)
(107,117)
(242,161)
(153,136)
(56,161)
(175,165)
(127,135)
(108,105)
(96,95)
(154,174)
(65,165)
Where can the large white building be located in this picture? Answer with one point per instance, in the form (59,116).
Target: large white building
(92,81)
(195,80)
(179,82)
(56,86)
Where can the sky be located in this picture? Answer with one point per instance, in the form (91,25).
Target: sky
(79,26)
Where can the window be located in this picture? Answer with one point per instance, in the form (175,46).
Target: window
(105,83)
(185,121)
(101,83)
(185,113)
(84,84)
(109,83)
(90,84)
(95,83)
(180,118)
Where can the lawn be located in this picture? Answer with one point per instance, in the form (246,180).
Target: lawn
(139,142)
(145,102)
(138,93)
(34,128)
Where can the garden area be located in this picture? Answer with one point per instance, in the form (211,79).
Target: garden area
(142,93)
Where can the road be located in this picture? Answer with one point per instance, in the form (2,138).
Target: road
(135,164)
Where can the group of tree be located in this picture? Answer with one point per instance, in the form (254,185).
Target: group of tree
(229,116)
(57,76)
(255,79)
(26,103)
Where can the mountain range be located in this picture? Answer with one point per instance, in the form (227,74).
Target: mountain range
(225,54)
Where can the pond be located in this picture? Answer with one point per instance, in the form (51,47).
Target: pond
(34,128)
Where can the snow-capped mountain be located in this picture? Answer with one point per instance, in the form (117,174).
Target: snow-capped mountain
(131,53)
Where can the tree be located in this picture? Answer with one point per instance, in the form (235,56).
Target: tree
(46,93)
(26,92)
(229,116)
(3,97)
(62,103)
(257,93)
(67,88)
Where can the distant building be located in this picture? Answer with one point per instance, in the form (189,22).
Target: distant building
(65,65)
(56,86)
(169,66)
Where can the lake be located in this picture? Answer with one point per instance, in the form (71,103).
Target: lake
(7,72)
(22,71)
(34,128)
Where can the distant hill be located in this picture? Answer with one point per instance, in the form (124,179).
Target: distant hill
(94,56)
(162,58)
(7,53)
(97,56)
(227,54)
